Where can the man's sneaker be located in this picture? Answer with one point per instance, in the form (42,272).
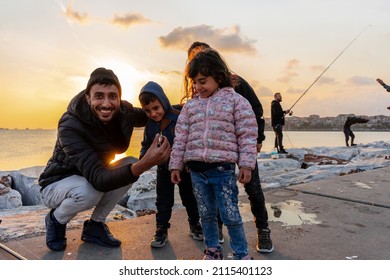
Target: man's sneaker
(213,254)
(99,233)
(264,242)
(160,238)
(283,152)
(221,240)
(55,233)
(196,232)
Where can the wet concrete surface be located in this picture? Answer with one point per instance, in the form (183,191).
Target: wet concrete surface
(340,218)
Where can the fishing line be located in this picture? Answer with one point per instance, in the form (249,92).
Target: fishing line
(354,39)
(64,11)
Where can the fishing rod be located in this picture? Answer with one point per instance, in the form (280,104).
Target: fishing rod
(354,39)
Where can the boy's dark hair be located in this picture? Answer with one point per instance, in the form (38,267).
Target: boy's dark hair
(146,97)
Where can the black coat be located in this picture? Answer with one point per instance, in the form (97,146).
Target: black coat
(353,120)
(85,146)
(277,113)
(243,88)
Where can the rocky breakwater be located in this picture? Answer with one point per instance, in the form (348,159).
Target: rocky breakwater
(22,211)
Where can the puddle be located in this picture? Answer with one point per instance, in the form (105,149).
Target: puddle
(290,213)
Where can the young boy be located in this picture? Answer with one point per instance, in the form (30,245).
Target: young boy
(162,120)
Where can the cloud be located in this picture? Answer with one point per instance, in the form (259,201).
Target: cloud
(361,81)
(326,81)
(75,16)
(129,19)
(289,71)
(172,72)
(222,39)
(264,92)
(295,90)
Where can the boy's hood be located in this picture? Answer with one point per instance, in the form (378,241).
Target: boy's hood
(158,91)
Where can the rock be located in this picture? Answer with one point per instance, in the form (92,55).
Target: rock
(28,187)
(11,199)
(142,194)
(5,184)
(143,201)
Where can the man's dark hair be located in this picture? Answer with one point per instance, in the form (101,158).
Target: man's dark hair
(103,76)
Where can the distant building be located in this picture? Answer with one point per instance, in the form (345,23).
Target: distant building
(315,122)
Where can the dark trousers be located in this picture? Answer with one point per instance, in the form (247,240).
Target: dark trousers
(165,190)
(278,129)
(256,199)
(348,133)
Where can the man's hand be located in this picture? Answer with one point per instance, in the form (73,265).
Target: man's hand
(259,146)
(155,155)
(380,82)
(244,175)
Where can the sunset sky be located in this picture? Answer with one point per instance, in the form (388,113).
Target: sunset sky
(48,48)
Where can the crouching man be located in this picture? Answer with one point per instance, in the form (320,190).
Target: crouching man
(96,125)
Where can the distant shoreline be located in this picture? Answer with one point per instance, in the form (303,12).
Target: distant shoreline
(376,123)
(286,129)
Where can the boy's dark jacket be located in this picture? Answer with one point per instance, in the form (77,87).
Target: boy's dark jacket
(166,125)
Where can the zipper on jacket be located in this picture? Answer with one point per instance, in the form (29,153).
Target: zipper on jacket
(206,131)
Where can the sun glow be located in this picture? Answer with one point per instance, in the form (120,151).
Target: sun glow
(128,76)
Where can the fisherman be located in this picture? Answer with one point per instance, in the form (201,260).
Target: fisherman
(277,121)
(347,128)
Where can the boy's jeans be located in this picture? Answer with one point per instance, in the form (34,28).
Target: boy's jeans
(216,189)
(165,198)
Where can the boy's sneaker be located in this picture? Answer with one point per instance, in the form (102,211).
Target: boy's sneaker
(196,232)
(221,240)
(213,254)
(99,233)
(264,242)
(160,238)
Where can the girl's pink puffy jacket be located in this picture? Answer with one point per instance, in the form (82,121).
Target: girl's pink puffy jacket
(221,128)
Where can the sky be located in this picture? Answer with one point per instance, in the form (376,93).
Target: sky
(48,48)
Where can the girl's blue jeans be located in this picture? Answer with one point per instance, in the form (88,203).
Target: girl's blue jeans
(216,189)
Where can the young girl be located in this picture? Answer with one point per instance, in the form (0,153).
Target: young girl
(216,129)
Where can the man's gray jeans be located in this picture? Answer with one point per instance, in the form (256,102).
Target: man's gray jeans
(75,194)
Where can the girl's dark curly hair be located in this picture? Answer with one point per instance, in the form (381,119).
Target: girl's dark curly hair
(207,63)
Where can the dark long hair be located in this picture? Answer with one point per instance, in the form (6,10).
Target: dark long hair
(207,62)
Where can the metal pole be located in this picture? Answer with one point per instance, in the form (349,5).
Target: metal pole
(10,251)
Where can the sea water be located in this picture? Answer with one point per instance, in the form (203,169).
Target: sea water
(26,148)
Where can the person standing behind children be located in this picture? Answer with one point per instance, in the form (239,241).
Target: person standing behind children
(277,121)
(162,119)
(215,130)
(253,188)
